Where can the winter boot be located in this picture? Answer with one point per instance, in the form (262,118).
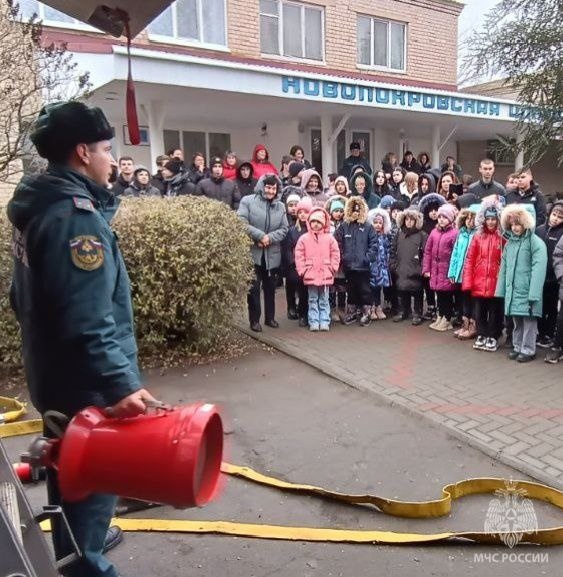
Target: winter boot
(365,316)
(471,332)
(350,316)
(463,329)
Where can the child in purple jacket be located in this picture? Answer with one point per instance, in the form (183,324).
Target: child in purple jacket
(436,263)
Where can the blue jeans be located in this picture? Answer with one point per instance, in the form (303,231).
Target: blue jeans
(89,521)
(319,306)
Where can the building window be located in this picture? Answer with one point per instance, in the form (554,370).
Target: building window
(211,144)
(50,17)
(291,29)
(381,43)
(199,21)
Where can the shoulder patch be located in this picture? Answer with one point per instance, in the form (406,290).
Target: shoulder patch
(83,203)
(87,252)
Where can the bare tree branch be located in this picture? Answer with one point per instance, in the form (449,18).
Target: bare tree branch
(32,74)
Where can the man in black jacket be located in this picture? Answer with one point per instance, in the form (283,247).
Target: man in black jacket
(486,185)
(217,187)
(126,169)
(355,159)
(528,192)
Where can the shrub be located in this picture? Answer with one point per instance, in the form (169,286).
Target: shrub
(189,263)
(10,339)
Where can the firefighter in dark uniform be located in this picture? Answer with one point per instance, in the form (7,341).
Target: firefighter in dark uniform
(71,296)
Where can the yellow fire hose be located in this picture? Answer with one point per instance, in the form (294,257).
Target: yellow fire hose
(414,510)
(12,409)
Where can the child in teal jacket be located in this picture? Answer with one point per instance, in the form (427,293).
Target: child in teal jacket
(521,278)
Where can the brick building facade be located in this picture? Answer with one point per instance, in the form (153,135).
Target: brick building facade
(217,74)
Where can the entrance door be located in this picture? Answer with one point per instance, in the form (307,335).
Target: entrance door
(317,151)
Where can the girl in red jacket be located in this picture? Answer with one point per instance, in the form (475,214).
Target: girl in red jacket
(480,274)
(317,258)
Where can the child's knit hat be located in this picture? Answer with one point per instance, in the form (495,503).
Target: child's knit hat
(305,204)
(387,202)
(293,197)
(449,211)
(336,204)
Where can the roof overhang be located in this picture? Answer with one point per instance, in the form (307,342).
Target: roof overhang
(212,85)
(106,15)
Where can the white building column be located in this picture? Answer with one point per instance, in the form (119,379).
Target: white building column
(154,111)
(327,144)
(519,160)
(435,154)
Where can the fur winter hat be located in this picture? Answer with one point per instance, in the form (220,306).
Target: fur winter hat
(383,215)
(449,211)
(62,125)
(415,214)
(356,204)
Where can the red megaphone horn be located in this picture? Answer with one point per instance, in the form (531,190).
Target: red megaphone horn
(172,456)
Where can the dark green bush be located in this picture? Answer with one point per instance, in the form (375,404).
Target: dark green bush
(189,264)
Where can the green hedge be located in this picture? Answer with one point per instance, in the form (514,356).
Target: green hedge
(189,263)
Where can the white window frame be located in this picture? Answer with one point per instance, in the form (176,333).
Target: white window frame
(74,25)
(178,40)
(279,16)
(372,66)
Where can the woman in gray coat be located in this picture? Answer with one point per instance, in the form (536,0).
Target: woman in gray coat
(266,220)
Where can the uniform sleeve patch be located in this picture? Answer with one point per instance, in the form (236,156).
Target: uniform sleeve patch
(83,203)
(87,252)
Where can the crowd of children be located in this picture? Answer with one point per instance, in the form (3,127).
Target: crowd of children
(478,270)
(409,241)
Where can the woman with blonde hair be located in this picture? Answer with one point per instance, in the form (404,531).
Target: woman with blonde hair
(409,188)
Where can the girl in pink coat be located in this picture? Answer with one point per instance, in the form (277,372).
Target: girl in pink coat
(317,258)
(436,264)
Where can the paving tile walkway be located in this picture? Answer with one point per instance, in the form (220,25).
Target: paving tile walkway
(511,411)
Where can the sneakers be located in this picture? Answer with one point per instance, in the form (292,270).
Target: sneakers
(479,344)
(444,325)
(292,314)
(373,313)
(350,316)
(491,345)
(324,328)
(430,314)
(334,315)
(513,355)
(400,317)
(416,320)
(522,358)
(314,328)
(435,323)
(365,318)
(544,342)
(303,322)
(554,355)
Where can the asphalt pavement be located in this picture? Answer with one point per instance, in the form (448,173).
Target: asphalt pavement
(289,420)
